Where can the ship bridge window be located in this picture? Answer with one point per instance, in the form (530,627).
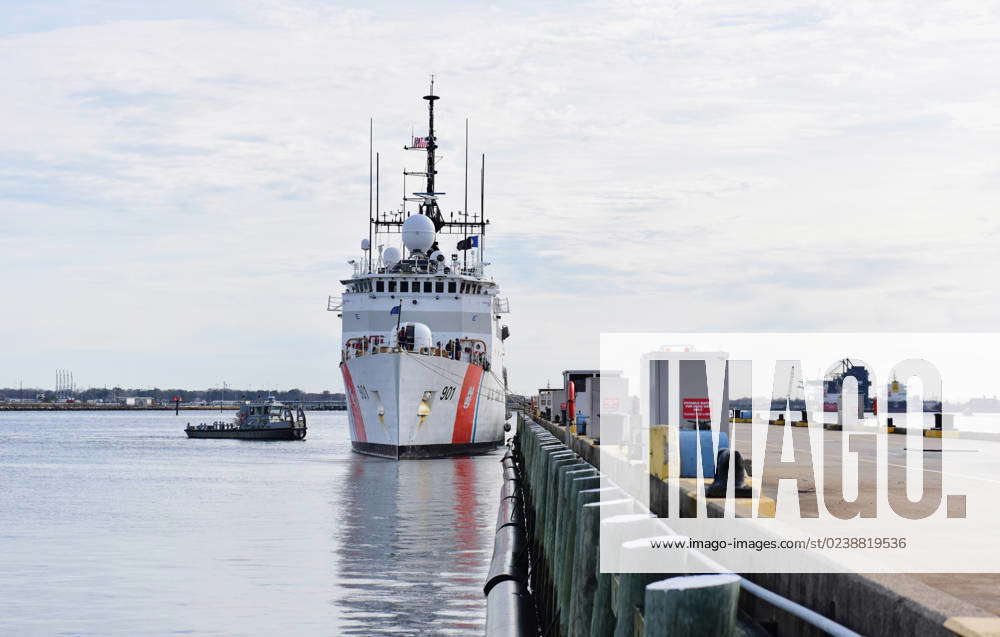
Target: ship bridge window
(392,286)
(451,287)
(427,287)
(380,286)
(404,286)
(439,286)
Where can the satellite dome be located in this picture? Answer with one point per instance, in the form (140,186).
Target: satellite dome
(365,244)
(391,256)
(418,232)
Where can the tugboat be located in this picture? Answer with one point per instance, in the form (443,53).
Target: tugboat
(267,420)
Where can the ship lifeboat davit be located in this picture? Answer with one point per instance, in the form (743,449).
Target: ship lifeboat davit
(418,233)
(414,336)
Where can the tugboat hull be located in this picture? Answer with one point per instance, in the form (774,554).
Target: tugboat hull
(249,434)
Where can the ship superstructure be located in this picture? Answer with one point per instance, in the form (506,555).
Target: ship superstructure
(422,345)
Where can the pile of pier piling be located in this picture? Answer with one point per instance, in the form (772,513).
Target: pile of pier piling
(545,574)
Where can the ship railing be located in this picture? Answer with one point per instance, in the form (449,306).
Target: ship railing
(501,305)
(472,354)
(334,303)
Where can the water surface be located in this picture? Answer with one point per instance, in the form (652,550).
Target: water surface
(116,523)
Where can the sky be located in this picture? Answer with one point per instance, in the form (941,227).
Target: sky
(182,184)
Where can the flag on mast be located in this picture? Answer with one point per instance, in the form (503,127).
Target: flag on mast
(468,244)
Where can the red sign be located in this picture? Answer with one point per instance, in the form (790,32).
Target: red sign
(562,405)
(611,403)
(696,409)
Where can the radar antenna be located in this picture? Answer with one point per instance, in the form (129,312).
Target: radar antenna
(471,227)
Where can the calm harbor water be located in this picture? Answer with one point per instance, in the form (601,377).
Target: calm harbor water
(116,523)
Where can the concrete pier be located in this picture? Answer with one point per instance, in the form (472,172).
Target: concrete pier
(563,485)
(563,511)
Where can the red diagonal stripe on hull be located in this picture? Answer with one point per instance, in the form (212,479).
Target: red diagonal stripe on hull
(465,413)
(352,398)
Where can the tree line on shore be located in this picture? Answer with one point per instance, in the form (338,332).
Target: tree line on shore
(210,395)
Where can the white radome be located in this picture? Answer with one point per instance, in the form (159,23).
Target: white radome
(391,256)
(418,232)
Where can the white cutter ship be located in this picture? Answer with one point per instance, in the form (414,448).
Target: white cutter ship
(423,342)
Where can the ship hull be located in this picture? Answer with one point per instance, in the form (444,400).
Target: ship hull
(249,434)
(407,406)
(418,452)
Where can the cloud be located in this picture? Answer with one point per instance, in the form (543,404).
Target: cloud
(175,173)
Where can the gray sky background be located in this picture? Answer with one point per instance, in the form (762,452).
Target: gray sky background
(181,185)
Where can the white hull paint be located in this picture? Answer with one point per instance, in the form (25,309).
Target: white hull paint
(463,406)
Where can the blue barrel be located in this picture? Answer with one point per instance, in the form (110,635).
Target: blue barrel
(689,452)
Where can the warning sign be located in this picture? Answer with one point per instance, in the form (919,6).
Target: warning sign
(696,409)
(611,403)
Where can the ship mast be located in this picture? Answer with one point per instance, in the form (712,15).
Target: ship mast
(473,231)
(430,206)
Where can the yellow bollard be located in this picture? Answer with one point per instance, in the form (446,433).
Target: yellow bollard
(658,451)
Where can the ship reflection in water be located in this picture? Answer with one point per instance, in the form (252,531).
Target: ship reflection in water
(414,551)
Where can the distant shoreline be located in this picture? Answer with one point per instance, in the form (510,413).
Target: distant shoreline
(86,407)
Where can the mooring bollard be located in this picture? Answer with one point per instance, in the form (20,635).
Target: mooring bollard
(693,605)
